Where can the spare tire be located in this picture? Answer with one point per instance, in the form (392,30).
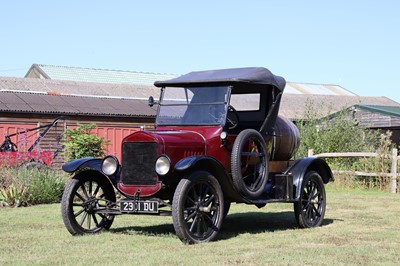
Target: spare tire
(249,163)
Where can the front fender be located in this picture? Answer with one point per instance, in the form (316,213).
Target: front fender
(188,163)
(74,165)
(90,164)
(215,168)
(299,169)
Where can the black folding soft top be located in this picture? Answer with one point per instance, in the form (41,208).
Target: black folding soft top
(248,75)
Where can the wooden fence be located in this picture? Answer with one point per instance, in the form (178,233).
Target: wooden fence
(394,169)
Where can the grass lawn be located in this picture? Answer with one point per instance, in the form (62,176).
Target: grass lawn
(361,228)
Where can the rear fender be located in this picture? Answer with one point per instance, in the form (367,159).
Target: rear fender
(300,168)
(214,167)
(88,164)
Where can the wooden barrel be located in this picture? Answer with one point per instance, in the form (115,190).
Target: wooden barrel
(285,141)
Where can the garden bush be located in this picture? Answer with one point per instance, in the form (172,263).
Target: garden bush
(341,133)
(80,143)
(22,186)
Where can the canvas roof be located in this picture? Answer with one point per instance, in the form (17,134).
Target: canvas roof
(248,75)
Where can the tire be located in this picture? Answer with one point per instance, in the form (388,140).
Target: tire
(84,194)
(227,206)
(249,163)
(310,209)
(198,208)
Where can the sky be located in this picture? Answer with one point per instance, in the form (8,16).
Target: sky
(354,44)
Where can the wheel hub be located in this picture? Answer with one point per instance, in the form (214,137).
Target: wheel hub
(90,205)
(314,201)
(204,209)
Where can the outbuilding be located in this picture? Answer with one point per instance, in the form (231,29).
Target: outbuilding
(29,103)
(117,102)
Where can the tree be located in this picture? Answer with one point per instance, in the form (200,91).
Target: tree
(338,133)
(341,133)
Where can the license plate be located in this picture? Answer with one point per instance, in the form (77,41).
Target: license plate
(142,206)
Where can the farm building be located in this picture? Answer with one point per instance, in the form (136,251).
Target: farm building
(378,117)
(95,75)
(28,103)
(297,96)
(117,102)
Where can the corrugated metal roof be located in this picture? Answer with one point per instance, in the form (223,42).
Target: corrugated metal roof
(316,89)
(130,100)
(294,106)
(98,75)
(28,102)
(145,78)
(78,88)
(385,110)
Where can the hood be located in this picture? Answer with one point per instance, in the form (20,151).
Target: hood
(172,142)
(182,138)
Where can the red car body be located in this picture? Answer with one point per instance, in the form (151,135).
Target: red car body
(218,140)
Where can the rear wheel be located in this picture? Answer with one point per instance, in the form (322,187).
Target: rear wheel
(198,208)
(84,203)
(310,210)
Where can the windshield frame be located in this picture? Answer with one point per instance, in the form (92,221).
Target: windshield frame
(213,120)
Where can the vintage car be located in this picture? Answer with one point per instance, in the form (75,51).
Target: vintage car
(217,140)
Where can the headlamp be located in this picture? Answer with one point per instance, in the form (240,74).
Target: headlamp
(163,165)
(109,165)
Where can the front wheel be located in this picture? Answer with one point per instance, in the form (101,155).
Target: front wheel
(198,208)
(84,203)
(310,210)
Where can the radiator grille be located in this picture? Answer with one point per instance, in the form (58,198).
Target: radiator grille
(138,161)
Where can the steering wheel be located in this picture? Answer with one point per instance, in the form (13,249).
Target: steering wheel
(232,119)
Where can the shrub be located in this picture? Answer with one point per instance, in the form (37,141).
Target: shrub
(46,186)
(14,195)
(81,143)
(380,164)
(334,134)
(21,186)
(341,133)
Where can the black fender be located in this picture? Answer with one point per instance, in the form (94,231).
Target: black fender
(89,164)
(299,169)
(214,167)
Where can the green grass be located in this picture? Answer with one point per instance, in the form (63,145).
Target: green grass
(361,228)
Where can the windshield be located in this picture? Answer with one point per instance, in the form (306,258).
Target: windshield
(193,106)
